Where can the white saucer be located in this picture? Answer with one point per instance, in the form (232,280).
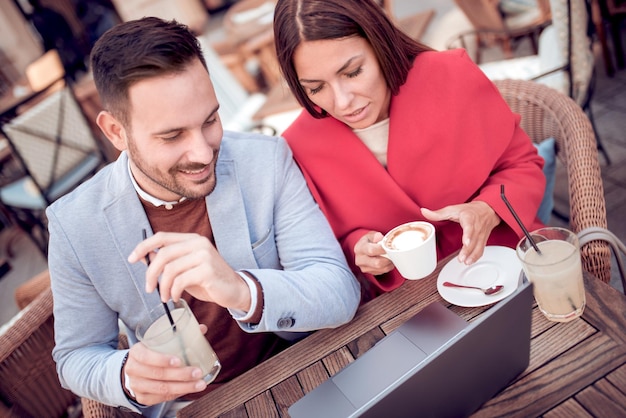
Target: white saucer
(498,265)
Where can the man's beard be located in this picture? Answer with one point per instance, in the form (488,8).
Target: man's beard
(168,180)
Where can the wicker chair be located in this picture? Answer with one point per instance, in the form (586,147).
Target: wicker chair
(33,287)
(29,384)
(548,113)
(26,293)
(95,409)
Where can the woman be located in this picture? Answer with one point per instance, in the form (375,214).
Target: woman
(393,132)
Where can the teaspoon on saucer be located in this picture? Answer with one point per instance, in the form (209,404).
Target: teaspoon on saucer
(487,291)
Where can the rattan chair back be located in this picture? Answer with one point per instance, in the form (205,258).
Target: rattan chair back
(546,113)
(28,379)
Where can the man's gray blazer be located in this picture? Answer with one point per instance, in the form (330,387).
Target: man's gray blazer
(264,220)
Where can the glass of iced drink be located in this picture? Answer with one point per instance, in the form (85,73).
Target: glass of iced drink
(181,338)
(555,272)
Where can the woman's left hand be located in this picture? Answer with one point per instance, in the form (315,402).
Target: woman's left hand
(477,220)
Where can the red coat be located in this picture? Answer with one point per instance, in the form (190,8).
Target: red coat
(452,139)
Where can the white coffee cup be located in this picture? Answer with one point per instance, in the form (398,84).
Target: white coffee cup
(411,247)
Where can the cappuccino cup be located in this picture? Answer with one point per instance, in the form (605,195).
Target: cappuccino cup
(412,249)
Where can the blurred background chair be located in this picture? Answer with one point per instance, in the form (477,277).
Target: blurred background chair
(30,289)
(547,113)
(54,146)
(48,69)
(8,73)
(246,46)
(45,71)
(241,110)
(565,59)
(29,385)
(609,13)
(615,14)
(237,105)
(414,24)
(493,27)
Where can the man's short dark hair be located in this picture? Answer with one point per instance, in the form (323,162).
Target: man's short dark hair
(136,50)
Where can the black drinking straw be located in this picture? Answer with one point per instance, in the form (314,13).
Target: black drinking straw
(167,310)
(519,221)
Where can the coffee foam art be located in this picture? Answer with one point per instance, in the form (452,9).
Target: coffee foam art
(411,247)
(407,239)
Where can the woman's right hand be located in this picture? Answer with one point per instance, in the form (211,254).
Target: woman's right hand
(368,254)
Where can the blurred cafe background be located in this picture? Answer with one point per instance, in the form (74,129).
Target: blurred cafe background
(49,142)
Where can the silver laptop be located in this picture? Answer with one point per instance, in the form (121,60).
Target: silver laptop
(434,365)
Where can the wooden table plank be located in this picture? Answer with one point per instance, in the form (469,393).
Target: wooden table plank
(540,323)
(600,400)
(568,409)
(286,393)
(561,378)
(337,360)
(359,346)
(313,376)
(262,406)
(618,379)
(543,348)
(237,412)
(605,310)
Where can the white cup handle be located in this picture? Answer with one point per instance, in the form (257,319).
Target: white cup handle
(383,254)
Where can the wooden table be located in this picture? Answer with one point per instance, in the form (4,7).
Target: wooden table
(576,368)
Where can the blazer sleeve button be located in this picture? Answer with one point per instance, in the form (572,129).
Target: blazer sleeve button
(285,323)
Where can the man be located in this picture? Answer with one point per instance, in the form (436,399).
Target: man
(238,236)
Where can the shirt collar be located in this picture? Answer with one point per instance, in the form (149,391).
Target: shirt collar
(149,198)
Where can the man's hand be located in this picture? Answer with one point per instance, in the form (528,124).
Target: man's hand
(189,262)
(477,220)
(368,254)
(155,377)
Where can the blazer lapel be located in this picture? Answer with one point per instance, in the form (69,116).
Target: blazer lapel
(126,218)
(228,217)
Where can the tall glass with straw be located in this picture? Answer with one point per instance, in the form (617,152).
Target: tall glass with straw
(551,260)
(172,328)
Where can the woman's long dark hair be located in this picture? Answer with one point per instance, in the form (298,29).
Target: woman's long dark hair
(297,21)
